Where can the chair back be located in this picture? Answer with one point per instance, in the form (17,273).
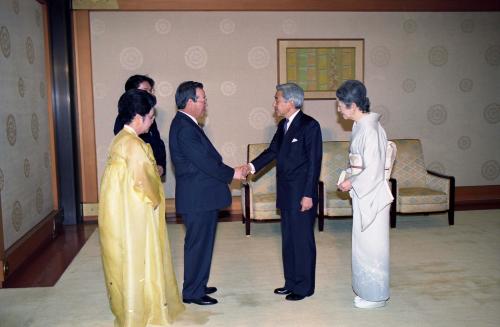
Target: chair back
(409,168)
(264,182)
(335,160)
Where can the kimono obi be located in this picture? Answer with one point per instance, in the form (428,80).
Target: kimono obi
(355,167)
(356,163)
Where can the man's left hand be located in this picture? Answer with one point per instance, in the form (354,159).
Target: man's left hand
(306,203)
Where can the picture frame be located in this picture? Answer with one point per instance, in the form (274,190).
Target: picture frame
(320,66)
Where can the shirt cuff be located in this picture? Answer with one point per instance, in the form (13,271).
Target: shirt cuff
(252,168)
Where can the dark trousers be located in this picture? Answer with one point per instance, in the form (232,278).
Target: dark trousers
(198,249)
(299,250)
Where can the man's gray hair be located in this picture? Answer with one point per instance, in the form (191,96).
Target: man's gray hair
(292,92)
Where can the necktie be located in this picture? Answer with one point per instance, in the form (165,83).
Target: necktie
(286,124)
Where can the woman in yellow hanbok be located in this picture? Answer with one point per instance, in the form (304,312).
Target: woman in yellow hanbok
(136,257)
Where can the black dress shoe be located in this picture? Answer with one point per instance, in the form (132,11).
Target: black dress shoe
(282,291)
(294,297)
(210,290)
(204,300)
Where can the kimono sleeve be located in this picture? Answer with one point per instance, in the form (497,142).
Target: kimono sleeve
(373,155)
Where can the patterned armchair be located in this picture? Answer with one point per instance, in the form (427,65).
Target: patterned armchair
(333,202)
(258,197)
(420,190)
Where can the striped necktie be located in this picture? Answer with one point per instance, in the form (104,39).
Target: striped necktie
(286,124)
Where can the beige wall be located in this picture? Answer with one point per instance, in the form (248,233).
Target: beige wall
(25,159)
(433,76)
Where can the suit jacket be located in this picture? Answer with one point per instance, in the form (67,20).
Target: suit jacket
(298,156)
(201,178)
(153,138)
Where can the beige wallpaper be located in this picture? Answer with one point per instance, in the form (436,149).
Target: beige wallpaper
(433,76)
(25,174)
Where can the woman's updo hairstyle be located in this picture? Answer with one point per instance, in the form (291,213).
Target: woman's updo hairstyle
(134,102)
(353,91)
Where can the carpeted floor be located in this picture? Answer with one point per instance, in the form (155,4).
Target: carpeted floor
(441,276)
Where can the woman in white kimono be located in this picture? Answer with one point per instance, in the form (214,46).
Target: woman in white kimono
(371,197)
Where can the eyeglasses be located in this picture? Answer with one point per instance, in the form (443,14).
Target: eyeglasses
(204,99)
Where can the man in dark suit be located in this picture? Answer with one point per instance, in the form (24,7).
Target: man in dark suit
(297,149)
(201,189)
(153,138)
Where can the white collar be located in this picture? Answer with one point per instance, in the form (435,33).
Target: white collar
(292,117)
(192,118)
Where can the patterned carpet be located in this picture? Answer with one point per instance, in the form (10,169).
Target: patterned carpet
(440,276)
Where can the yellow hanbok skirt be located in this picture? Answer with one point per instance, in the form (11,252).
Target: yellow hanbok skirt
(136,256)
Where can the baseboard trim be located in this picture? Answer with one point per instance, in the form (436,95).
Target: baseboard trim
(477,197)
(19,252)
(466,198)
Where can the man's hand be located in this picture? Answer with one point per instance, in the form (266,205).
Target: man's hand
(160,170)
(244,170)
(306,203)
(240,172)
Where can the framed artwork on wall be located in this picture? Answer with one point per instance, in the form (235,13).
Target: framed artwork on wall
(320,66)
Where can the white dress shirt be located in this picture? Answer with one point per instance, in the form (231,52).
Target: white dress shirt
(290,120)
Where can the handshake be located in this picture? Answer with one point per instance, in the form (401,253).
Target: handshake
(241,172)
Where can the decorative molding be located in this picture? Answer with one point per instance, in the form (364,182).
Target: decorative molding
(90,209)
(95,4)
(46,91)
(64,109)
(2,249)
(16,255)
(466,198)
(85,107)
(477,197)
(289,5)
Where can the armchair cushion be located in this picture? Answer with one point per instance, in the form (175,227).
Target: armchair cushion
(338,204)
(421,196)
(264,202)
(409,169)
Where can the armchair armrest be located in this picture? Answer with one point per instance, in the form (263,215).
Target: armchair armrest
(441,182)
(439,174)
(321,205)
(450,191)
(394,190)
(247,208)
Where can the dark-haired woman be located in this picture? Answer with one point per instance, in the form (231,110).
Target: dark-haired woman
(371,197)
(152,137)
(137,262)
